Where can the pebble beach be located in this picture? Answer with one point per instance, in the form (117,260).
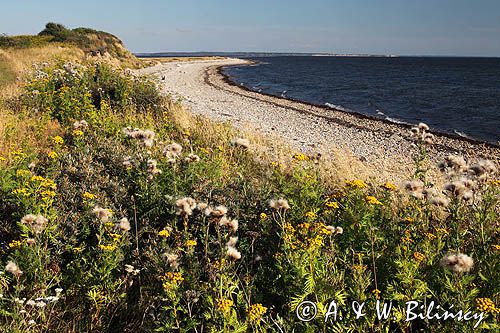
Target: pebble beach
(379,144)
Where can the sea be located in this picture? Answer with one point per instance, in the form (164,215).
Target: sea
(459,96)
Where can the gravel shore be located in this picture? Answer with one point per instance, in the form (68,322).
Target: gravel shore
(377,143)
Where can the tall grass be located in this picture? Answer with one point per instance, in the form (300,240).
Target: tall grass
(123,212)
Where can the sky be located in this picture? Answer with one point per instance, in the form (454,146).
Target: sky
(401,27)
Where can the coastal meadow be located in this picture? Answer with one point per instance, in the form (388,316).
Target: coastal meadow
(121,212)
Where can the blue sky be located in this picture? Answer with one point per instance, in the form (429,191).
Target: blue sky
(417,27)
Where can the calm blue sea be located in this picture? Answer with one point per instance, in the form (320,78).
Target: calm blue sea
(455,95)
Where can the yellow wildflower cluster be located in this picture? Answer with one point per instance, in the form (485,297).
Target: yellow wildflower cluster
(58,140)
(172,277)
(15,244)
(332,205)
(355,183)
(300,157)
(164,233)
(77,250)
(430,235)
(485,304)
(494,182)
(389,186)
(311,215)
(47,194)
(406,240)
(372,200)
(18,154)
(191,243)
(109,247)
(77,132)
(418,256)
(53,155)
(359,268)
(442,231)
(23,173)
(376,292)
(263,216)
(88,196)
(44,182)
(224,304)
(408,219)
(256,311)
(21,191)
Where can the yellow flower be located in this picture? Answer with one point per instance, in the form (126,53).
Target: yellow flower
(15,244)
(220,148)
(300,157)
(20,191)
(18,152)
(77,250)
(48,194)
(110,247)
(494,182)
(408,219)
(164,233)
(332,204)
(263,216)
(418,256)
(23,173)
(443,231)
(88,195)
(53,155)
(256,311)
(496,247)
(171,280)
(372,200)
(311,215)
(224,305)
(376,292)
(407,240)
(356,183)
(58,140)
(191,243)
(116,237)
(485,304)
(359,267)
(430,236)
(77,133)
(389,186)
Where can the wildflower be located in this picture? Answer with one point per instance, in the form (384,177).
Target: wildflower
(15,244)
(358,267)
(172,260)
(172,279)
(224,305)
(37,223)
(77,250)
(454,162)
(372,200)
(458,263)
(485,304)
(423,127)
(356,183)
(256,311)
(300,157)
(233,252)
(58,140)
(80,125)
(332,204)
(30,241)
(439,201)
(52,155)
(191,243)
(496,247)
(185,206)
(232,241)
(89,196)
(21,191)
(58,291)
(428,138)
(231,224)
(172,151)
(483,169)
(101,213)
(311,215)
(12,268)
(31,322)
(335,230)
(456,188)
(408,219)
(77,133)
(415,188)
(164,233)
(279,204)
(131,269)
(124,224)
(23,173)
(263,216)
(240,142)
(152,167)
(201,205)
(389,186)
(430,235)
(442,231)
(418,256)
(192,158)
(218,211)
(109,247)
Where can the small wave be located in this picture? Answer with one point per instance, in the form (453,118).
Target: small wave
(463,135)
(380,113)
(395,121)
(337,107)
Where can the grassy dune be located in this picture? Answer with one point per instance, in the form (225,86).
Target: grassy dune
(122,212)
